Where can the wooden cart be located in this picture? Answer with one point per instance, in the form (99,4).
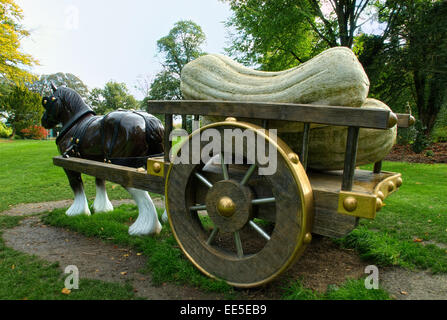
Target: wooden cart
(236,225)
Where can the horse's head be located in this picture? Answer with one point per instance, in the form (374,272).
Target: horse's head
(53,108)
(61,106)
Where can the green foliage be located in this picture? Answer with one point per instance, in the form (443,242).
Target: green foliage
(12,59)
(440,134)
(272,34)
(280,34)
(43,85)
(421,140)
(179,47)
(5,132)
(409,68)
(165,87)
(24,108)
(112,97)
(406,135)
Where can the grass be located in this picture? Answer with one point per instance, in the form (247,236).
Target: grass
(165,259)
(25,277)
(27,175)
(411,230)
(350,290)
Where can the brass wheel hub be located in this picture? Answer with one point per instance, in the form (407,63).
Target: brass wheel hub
(229,205)
(226,207)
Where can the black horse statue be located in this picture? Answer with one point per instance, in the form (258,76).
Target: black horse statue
(121,137)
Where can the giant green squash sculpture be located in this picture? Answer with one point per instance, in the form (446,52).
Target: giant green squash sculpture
(334,77)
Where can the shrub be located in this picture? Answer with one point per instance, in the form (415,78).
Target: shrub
(421,141)
(35,133)
(5,132)
(406,135)
(440,134)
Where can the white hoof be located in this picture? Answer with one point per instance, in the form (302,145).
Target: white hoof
(147,222)
(102,205)
(165,218)
(102,202)
(141,229)
(79,206)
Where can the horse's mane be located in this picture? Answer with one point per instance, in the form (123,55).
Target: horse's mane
(71,99)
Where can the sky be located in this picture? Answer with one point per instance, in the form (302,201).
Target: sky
(103,40)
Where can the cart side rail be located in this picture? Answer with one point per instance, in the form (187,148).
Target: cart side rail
(319,114)
(353,118)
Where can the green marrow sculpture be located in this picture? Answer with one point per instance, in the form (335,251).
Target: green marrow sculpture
(334,77)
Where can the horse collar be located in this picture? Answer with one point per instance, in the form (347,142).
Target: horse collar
(72,122)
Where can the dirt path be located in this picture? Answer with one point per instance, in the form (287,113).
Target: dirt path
(94,259)
(26,209)
(322,264)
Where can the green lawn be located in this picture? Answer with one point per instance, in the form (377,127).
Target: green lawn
(27,175)
(25,277)
(410,231)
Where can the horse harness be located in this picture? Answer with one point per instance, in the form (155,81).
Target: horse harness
(75,141)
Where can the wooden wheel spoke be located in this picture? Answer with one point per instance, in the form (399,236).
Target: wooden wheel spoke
(259,230)
(224,167)
(204,180)
(248,175)
(263,201)
(198,207)
(237,241)
(212,236)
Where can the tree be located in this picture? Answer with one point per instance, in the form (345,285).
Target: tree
(288,30)
(12,60)
(24,108)
(113,96)
(278,34)
(179,47)
(165,86)
(272,34)
(43,85)
(409,67)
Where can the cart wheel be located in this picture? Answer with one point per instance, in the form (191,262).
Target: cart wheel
(231,222)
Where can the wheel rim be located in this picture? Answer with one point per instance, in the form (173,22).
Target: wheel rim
(218,242)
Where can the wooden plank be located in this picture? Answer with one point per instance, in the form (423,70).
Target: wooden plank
(168,129)
(330,115)
(125,176)
(305,145)
(350,158)
(326,188)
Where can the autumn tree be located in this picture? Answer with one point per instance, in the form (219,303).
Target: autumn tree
(12,59)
